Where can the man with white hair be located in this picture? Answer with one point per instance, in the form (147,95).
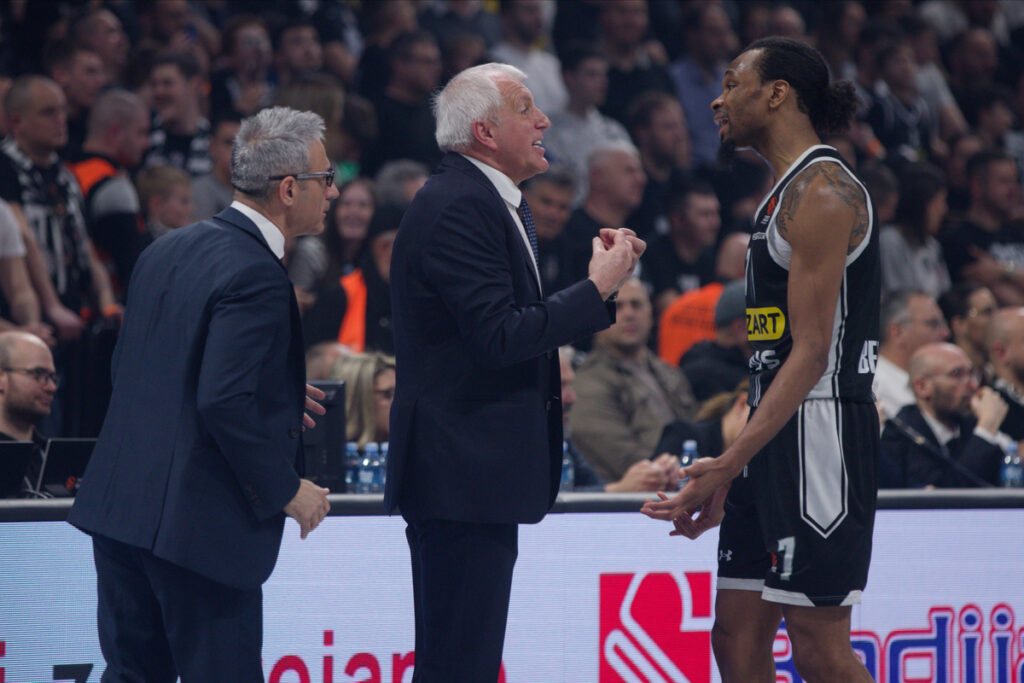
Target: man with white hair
(200,456)
(476,424)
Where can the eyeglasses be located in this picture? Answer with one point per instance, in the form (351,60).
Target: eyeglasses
(41,375)
(960,374)
(328,176)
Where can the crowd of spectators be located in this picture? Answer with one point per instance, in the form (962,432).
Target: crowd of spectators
(118,119)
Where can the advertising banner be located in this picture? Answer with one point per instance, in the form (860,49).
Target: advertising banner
(597,598)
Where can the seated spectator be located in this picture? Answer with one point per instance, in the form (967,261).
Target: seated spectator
(900,118)
(578,129)
(656,474)
(522,24)
(934,442)
(961,148)
(931,80)
(633,67)
(212,193)
(719,421)
(181,135)
(449,18)
(711,43)
(972,58)
(356,309)
(322,259)
(719,364)
(28,382)
(406,122)
(911,256)
(968,309)
(297,51)
(385,20)
(358,133)
(616,187)
(989,110)
(79,72)
(165,193)
(118,137)
(884,190)
(245,84)
(369,390)
(549,196)
(691,317)
(398,181)
(1005,343)
(657,125)
(684,259)
(909,320)
(626,394)
(986,246)
(321,357)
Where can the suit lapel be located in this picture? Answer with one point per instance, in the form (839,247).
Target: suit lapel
(459,163)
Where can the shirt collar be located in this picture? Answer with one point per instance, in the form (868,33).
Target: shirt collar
(943,434)
(502,183)
(271,233)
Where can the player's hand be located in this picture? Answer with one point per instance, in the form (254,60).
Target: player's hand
(312,396)
(309,506)
(710,515)
(706,475)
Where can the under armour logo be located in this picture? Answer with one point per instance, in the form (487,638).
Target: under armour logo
(725,556)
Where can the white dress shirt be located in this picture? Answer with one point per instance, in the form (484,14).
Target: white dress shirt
(271,233)
(512,197)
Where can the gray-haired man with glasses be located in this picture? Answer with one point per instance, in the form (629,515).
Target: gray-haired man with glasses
(200,456)
(28,382)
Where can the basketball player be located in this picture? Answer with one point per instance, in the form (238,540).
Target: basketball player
(796,538)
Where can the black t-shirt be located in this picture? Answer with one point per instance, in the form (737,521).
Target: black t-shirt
(406,132)
(661,268)
(191,153)
(35,465)
(624,86)
(1005,244)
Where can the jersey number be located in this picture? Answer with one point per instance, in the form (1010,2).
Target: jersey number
(786,547)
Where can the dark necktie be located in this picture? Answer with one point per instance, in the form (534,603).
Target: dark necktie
(531,232)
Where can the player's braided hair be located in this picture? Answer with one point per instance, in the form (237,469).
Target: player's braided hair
(829,106)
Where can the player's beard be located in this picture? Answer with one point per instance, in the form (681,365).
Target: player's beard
(726,154)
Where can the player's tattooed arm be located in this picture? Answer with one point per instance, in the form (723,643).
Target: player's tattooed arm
(825,177)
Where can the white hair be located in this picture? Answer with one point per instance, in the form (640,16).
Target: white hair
(473,95)
(273,142)
(608,148)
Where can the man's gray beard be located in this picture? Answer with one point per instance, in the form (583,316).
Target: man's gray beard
(726,154)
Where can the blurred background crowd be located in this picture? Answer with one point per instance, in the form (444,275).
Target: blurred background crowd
(118,119)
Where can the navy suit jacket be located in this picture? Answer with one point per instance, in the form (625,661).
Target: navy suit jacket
(199,451)
(904,463)
(476,424)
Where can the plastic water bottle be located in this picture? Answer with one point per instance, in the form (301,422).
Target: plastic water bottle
(1011,474)
(381,475)
(352,462)
(364,476)
(568,482)
(687,457)
(369,476)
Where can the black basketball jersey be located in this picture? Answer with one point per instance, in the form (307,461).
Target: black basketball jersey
(854,349)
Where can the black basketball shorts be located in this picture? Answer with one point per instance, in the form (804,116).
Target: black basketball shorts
(798,521)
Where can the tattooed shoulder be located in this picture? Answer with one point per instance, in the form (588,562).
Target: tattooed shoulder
(831,177)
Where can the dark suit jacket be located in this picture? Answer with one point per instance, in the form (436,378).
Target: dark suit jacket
(905,463)
(476,424)
(198,453)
